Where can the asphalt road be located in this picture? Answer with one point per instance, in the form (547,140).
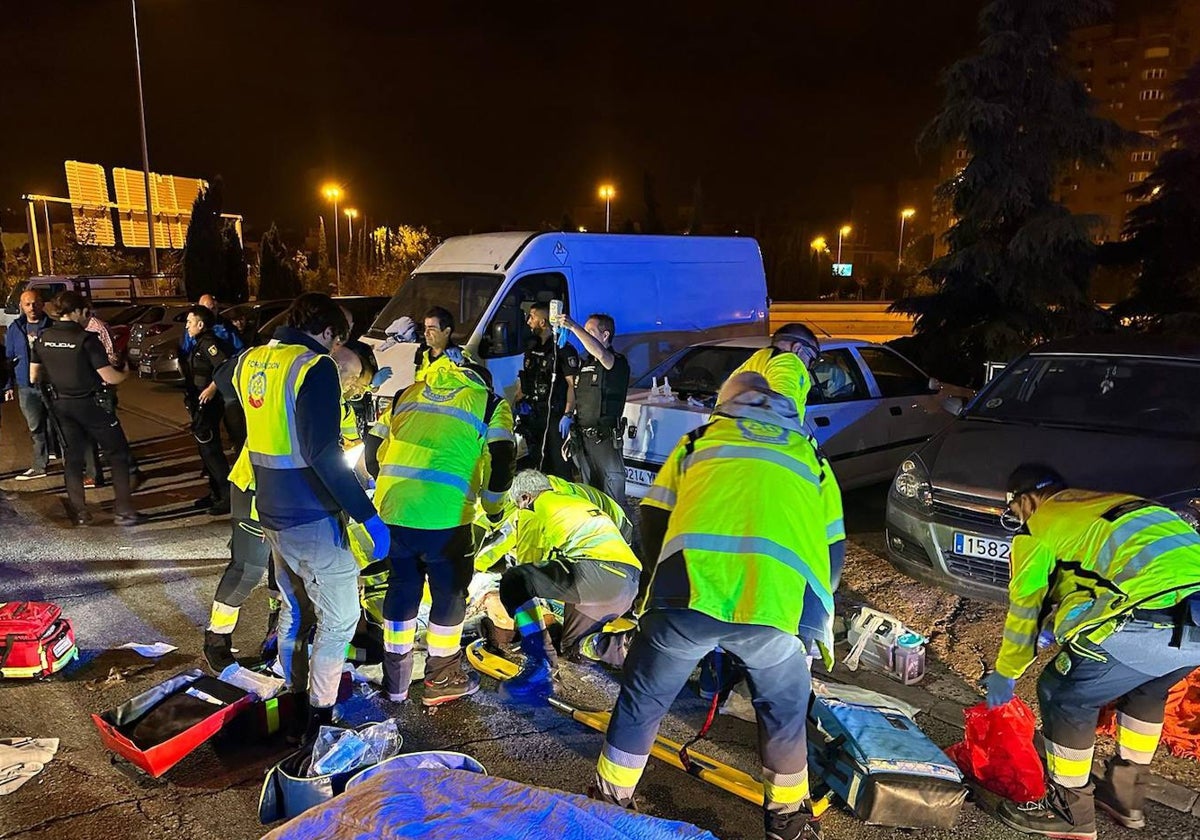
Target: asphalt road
(155,583)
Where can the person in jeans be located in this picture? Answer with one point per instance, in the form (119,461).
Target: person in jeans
(290,392)
(17,343)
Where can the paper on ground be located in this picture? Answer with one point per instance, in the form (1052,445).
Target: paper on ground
(149,651)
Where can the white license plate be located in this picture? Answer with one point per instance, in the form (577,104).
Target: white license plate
(144,367)
(639,476)
(134,352)
(969,545)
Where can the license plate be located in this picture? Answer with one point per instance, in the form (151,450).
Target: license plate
(144,367)
(970,545)
(134,352)
(639,476)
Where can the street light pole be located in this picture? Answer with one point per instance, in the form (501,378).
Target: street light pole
(607,192)
(905,214)
(844,230)
(334,194)
(137,53)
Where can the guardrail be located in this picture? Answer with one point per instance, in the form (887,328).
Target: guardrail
(868,320)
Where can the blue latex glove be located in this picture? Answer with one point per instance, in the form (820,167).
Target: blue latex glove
(1045,639)
(1000,689)
(454,354)
(381,537)
(385,373)
(564,427)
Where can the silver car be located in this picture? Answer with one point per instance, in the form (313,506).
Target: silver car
(868,408)
(160,323)
(1112,413)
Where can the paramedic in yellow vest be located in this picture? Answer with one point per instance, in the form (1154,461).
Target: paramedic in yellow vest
(734,530)
(291,395)
(1115,579)
(439,329)
(584,562)
(787,363)
(443,432)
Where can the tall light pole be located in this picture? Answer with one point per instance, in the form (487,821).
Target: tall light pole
(844,230)
(334,193)
(905,214)
(351,215)
(819,247)
(607,191)
(137,54)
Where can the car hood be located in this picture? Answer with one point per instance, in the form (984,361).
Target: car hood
(976,457)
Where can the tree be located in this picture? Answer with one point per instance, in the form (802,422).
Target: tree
(236,277)
(652,222)
(203,262)
(322,251)
(1162,235)
(1019,262)
(278,279)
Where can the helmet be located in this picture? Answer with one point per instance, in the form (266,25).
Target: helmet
(1028,478)
(810,347)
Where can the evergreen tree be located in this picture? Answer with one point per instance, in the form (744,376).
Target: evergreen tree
(322,251)
(236,285)
(203,263)
(1019,262)
(278,279)
(1162,236)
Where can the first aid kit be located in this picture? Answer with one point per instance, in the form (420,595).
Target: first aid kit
(35,639)
(882,642)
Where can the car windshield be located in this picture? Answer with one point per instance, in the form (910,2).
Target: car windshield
(466,296)
(1154,396)
(126,316)
(698,371)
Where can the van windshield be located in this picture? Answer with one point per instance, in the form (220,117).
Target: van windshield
(466,296)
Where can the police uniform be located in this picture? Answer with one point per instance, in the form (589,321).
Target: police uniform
(1116,578)
(545,360)
(85,408)
(599,407)
(441,434)
(208,353)
(737,526)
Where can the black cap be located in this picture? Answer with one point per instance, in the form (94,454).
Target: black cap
(1030,477)
(796,331)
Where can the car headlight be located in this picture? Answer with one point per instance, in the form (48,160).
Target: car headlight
(911,483)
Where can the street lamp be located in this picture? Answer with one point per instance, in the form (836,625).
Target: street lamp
(137,55)
(844,230)
(351,215)
(905,214)
(607,191)
(333,192)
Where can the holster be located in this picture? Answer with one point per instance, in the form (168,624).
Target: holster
(106,398)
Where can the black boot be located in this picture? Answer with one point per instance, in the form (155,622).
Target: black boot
(318,716)
(218,651)
(1121,793)
(270,642)
(497,639)
(792,825)
(1065,813)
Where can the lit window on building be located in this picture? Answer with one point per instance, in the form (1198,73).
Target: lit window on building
(1157,52)
(1150,95)
(1154,73)
(1141,157)
(1138,177)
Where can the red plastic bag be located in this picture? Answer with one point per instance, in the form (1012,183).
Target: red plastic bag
(997,751)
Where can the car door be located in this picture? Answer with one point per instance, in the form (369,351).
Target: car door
(847,419)
(913,408)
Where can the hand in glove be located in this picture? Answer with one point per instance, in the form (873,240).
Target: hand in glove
(454,354)
(385,373)
(999,689)
(381,537)
(1045,639)
(564,427)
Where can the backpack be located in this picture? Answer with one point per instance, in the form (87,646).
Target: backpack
(35,640)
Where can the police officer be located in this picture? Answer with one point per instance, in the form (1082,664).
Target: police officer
(599,405)
(734,527)
(71,364)
(445,434)
(1115,579)
(546,394)
(206,406)
(787,362)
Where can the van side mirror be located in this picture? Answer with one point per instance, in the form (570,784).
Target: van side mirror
(935,384)
(499,338)
(954,405)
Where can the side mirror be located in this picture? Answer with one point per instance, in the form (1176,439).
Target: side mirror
(499,338)
(954,405)
(935,384)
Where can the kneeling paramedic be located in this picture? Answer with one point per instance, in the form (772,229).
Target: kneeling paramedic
(787,363)
(445,434)
(291,396)
(583,561)
(736,526)
(1116,580)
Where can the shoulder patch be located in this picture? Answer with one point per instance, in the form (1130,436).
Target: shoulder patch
(213,350)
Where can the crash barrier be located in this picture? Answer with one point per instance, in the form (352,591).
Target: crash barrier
(35,640)
(866,320)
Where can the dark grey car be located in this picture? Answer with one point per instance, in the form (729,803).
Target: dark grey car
(1114,413)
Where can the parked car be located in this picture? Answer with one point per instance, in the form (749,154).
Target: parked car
(364,308)
(159,323)
(869,406)
(1113,413)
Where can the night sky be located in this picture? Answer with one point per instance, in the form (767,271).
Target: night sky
(469,116)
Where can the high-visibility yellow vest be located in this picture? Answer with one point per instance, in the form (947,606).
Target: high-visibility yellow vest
(349,427)
(500,428)
(571,528)
(747,532)
(784,372)
(1087,558)
(268,379)
(429,464)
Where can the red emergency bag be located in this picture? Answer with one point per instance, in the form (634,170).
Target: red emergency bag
(35,640)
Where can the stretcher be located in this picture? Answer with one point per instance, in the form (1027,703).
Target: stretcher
(704,768)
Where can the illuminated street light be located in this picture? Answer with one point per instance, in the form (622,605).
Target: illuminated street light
(351,215)
(333,192)
(607,192)
(844,230)
(905,214)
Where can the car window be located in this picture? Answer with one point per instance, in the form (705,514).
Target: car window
(467,296)
(837,378)
(895,375)
(152,315)
(507,333)
(128,315)
(698,371)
